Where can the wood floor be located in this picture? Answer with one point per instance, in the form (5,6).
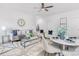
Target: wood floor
(32,50)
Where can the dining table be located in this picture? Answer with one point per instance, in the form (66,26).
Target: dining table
(66,42)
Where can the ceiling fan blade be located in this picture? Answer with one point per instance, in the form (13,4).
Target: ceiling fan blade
(49,7)
(46,9)
(42,5)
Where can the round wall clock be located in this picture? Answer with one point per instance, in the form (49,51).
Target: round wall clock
(21,22)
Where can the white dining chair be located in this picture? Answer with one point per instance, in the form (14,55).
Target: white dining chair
(50,49)
(71,53)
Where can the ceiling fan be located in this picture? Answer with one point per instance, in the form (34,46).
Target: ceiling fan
(45,8)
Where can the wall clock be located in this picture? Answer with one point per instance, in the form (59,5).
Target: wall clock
(21,22)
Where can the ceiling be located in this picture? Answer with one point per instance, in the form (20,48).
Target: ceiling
(33,8)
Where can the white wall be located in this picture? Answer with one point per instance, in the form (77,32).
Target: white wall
(42,22)
(72,22)
(10,18)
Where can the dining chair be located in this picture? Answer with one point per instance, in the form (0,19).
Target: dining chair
(49,49)
(71,53)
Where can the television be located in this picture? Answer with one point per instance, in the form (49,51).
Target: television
(41,31)
(50,32)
